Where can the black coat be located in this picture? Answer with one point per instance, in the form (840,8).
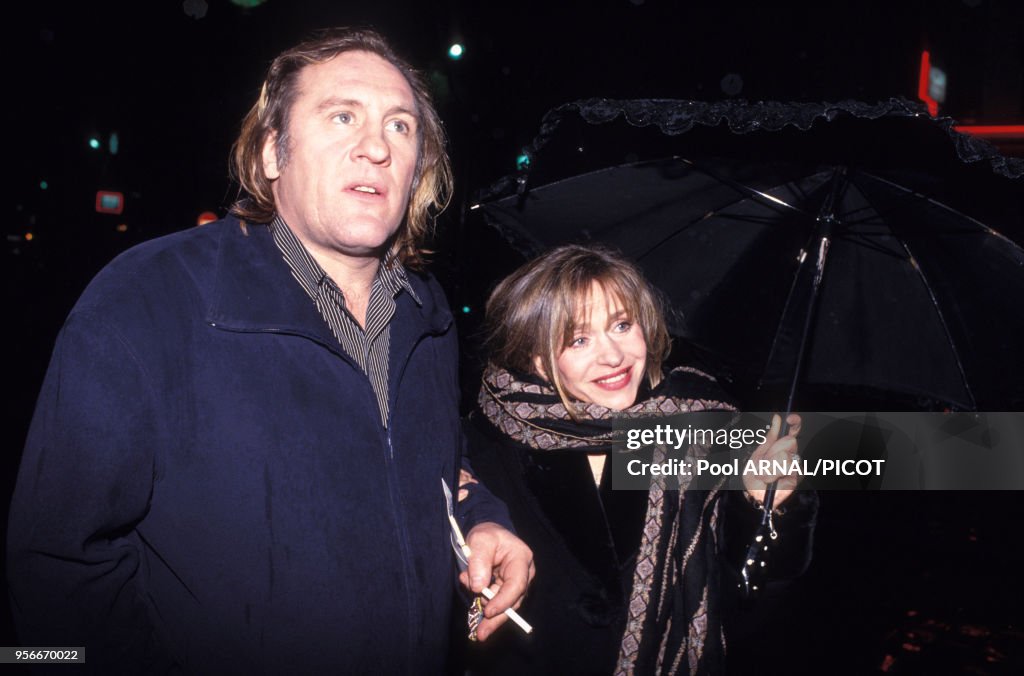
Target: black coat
(207,486)
(585,540)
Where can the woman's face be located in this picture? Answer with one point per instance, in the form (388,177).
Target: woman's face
(606,358)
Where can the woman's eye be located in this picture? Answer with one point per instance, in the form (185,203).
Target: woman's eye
(622,327)
(579,341)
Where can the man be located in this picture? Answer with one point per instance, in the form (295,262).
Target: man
(235,463)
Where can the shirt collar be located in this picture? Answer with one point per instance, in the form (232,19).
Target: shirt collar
(391,273)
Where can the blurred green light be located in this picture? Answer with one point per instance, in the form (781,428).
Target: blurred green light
(94,143)
(456,51)
(522,161)
(466,309)
(43,185)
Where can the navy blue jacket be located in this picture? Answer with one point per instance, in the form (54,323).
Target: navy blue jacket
(207,486)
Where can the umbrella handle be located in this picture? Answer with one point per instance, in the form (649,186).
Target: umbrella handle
(756,558)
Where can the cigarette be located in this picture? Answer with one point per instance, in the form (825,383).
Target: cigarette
(512,614)
(488,594)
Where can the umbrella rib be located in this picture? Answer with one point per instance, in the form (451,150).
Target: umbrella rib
(863,240)
(987,229)
(743,189)
(875,212)
(910,195)
(942,319)
(931,293)
(682,228)
(765,200)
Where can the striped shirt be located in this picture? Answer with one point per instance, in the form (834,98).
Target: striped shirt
(368,346)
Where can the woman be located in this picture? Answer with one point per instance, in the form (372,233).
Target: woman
(628,581)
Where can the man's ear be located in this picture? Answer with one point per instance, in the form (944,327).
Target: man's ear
(270,168)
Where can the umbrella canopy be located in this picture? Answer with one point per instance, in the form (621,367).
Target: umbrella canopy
(852,245)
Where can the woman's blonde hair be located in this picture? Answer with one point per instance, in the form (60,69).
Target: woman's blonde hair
(432,180)
(534,312)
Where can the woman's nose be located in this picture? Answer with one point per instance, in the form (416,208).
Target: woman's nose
(609,352)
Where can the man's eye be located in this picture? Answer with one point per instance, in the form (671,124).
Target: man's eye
(343,118)
(401,126)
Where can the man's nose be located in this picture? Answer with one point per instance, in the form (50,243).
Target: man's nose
(373,146)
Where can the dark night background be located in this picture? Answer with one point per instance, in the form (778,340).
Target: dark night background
(901,583)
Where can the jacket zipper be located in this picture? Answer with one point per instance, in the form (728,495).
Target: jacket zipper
(397,506)
(403,546)
(397,503)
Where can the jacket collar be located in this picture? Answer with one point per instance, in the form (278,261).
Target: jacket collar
(254,291)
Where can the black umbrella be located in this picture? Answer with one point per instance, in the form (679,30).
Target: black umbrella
(807,248)
(815,249)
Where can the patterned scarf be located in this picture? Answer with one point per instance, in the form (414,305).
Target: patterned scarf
(673,622)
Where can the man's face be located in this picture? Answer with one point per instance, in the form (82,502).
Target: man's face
(350,156)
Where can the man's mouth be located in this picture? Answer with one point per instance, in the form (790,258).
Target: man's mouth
(368,189)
